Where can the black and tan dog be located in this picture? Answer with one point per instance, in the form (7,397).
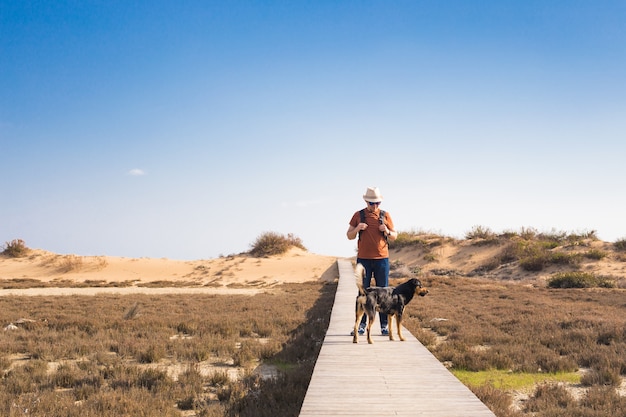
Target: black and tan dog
(386,300)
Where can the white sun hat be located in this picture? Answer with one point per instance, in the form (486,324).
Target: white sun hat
(372,195)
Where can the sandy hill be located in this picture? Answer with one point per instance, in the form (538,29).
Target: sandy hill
(497,257)
(510,258)
(42,268)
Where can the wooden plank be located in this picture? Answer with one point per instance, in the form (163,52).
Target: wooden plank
(387,378)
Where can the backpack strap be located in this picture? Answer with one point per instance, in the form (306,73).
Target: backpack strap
(381,220)
(362,214)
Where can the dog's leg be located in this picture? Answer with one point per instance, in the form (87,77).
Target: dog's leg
(390,325)
(370,321)
(358,316)
(355,332)
(399,325)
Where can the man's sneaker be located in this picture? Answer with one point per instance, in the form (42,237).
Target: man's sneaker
(361,330)
(384,331)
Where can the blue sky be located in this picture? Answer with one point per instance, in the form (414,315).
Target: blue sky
(185,129)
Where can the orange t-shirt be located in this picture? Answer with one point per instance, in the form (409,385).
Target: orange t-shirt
(372,243)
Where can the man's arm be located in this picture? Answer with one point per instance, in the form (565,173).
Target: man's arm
(353,231)
(391,234)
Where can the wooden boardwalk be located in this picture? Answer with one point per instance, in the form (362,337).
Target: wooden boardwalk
(387,378)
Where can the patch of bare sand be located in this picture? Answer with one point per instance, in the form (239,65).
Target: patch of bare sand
(237,274)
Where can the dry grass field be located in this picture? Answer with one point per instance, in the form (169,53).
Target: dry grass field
(527,350)
(172,355)
(533,323)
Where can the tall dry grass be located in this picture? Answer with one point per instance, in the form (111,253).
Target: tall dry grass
(145,355)
(481,325)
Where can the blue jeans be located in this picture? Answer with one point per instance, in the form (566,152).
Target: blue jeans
(379,268)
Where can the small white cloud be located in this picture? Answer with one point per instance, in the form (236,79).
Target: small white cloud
(136,172)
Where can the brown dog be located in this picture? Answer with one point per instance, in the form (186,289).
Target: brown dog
(386,300)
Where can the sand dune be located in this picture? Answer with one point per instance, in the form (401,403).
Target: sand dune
(469,257)
(243,274)
(232,274)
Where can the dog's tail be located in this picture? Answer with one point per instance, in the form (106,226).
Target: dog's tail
(359,273)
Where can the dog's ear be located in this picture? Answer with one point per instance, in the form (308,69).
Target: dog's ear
(416,282)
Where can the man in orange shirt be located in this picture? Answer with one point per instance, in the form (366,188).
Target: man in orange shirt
(374,227)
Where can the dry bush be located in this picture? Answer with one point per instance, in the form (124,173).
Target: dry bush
(528,233)
(17,283)
(480,232)
(271,243)
(601,377)
(481,235)
(620,244)
(499,401)
(603,400)
(551,398)
(168,284)
(15,249)
(21,283)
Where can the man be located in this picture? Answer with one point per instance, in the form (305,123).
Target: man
(375,228)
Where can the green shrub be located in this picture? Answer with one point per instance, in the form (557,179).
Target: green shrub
(533,263)
(548,244)
(15,248)
(562,258)
(595,254)
(579,280)
(271,243)
(406,239)
(536,255)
